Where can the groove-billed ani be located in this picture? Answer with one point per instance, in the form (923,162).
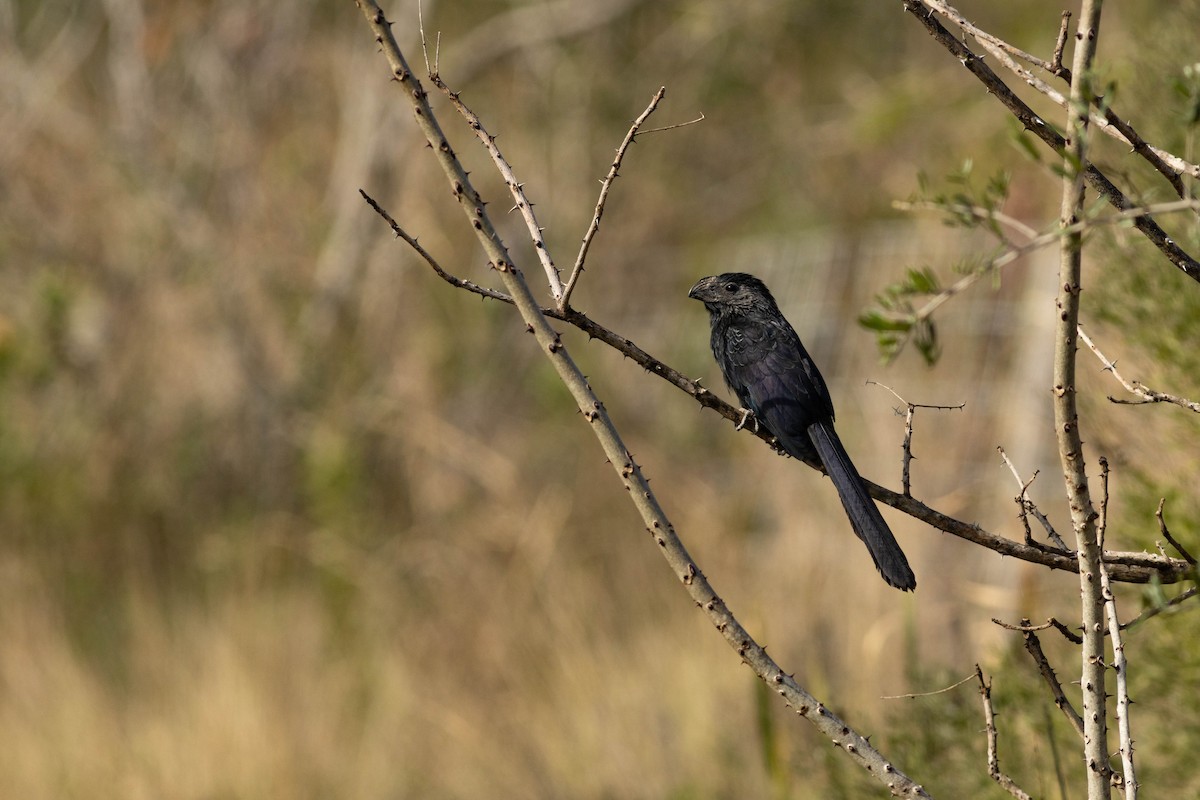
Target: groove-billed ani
(773,376)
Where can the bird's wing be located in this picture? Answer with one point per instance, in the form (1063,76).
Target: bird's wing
(772,375)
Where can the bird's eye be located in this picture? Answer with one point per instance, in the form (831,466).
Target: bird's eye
(731,287)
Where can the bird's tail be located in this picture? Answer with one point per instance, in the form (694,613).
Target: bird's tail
(864,516)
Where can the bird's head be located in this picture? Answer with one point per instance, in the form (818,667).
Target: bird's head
(732,292)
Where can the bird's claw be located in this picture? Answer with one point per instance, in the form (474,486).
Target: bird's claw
(747,416)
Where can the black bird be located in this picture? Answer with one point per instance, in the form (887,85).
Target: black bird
(775,379)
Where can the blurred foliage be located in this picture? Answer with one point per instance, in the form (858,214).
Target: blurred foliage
(283,515)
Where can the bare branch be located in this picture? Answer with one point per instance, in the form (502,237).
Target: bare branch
(1028,507)
(1156,610)
(1106,121)
(565,300)
(510,179)
(908,432)
(695,121)
(1162,528)
(1033,646)
(915,695)
(989,717)
(1032,122)
(1025,627)
(453,280)
(1146,394)
(1120,664)
(1056,65)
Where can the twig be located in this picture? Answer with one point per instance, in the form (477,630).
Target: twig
(1033,646)
(1147,394)
(1162,528)
(1028,507)
(425,49)
(927,694)
(979,212)
(453,280)
(1156,610)
(515,187)
(565,300)
(527,27)
(1120,664)
(698,119)
(908,432)
(993,758)
(1056,65)
(630,474)
(1066,415)
(1025,627)
(1032,122)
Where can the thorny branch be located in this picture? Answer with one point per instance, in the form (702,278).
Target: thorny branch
(1035,124)
(1033,646)
(605,185)
(993,757)
(1066,413)
(1120,665)
(906,445)
(1146,394)
(1028,507)
(1106,120)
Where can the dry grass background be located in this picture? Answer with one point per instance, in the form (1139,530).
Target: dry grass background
(281,515)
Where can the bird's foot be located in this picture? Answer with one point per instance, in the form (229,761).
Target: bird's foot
(747,416)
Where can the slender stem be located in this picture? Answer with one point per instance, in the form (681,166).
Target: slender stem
(1066,417)
(605,186)
(1120,664)
(993,756)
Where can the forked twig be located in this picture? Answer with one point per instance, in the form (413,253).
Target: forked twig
(905,464)
(1028,507)
(605,185)
(1146,394)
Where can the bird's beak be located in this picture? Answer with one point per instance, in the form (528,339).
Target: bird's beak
(697,292)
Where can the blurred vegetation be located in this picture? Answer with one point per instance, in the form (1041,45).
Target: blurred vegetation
(282,515)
